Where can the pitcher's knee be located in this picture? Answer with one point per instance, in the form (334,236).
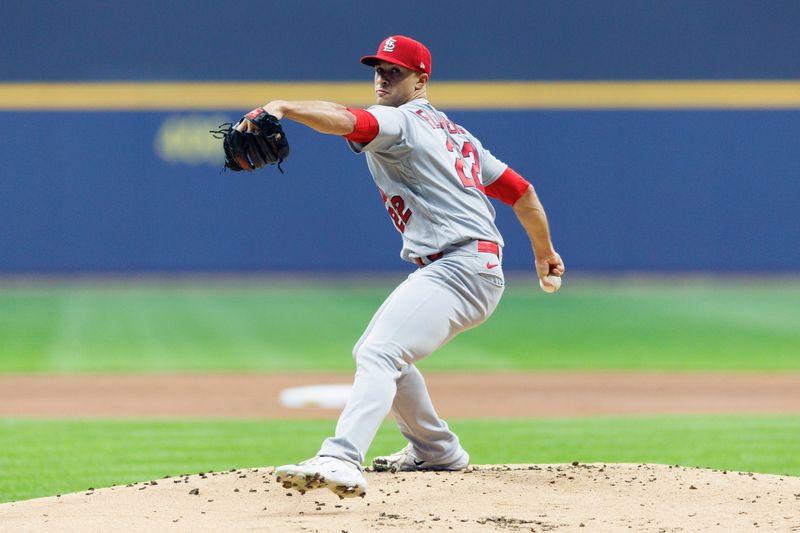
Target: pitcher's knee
(378,356)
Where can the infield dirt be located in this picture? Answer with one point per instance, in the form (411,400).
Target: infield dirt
(456,395)
(578,497)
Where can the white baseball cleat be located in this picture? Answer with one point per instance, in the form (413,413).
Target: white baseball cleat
(406,461)
(342,477)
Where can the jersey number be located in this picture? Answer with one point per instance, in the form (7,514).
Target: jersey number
(466,151)
(397,210)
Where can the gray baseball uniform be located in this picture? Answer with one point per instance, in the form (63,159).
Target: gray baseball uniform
(431,174)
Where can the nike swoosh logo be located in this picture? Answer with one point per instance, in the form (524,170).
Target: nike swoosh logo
(419,463)
(491,266)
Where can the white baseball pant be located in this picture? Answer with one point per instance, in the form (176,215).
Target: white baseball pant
(433,305)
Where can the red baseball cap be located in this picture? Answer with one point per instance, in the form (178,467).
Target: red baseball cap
(403,51)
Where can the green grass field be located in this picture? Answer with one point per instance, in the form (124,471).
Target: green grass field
(262,326)
(311,326)
(42,458)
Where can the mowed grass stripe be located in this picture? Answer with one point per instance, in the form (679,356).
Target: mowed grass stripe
(313,326)
(42,457)
(692,328)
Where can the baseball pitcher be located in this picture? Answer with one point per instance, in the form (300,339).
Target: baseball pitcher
(434,177)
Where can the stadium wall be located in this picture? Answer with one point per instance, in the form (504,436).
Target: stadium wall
(704,182)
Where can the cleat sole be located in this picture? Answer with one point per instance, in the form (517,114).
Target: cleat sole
(302,483)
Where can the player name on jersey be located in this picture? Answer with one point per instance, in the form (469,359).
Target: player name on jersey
(440,122)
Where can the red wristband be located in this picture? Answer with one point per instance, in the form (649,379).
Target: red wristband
(366,126)
(508,188)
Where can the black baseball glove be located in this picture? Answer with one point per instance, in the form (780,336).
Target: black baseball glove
(249,151)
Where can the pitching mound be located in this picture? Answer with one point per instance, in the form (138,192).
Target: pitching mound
(505,497)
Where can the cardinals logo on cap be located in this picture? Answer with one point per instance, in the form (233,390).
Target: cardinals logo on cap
(403,51)
(388,45)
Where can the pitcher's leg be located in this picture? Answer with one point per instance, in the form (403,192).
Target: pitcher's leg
(431,438)
(418,421)
(370,400)
(418,317)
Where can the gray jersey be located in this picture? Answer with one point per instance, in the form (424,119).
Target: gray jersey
(431,174)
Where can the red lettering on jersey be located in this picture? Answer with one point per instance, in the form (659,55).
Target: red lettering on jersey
(440,121)
(400,206)
(466,151)
(427,118)
(397,222)
(398,212)
(446,122)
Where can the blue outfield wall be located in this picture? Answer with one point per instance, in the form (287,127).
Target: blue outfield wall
(624,190)
(630,190)
(469,39)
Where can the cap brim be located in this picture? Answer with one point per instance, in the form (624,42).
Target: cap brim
(372,60)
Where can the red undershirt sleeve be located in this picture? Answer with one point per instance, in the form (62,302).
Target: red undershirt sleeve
(366,126)
(508,188)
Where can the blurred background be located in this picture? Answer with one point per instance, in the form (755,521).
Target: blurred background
(108,166)
(662,136)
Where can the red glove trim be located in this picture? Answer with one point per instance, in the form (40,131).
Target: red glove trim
(508,188)
(255,112)
(366,127)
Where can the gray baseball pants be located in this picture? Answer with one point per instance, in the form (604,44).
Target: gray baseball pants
(433,305)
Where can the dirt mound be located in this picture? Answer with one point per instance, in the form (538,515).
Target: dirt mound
(504,497)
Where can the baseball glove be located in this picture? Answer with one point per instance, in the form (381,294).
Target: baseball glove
(249,151)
